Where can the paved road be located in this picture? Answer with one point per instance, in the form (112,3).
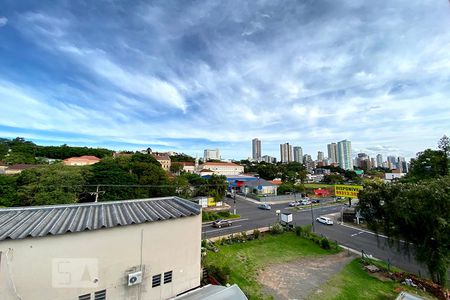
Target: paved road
(252,217)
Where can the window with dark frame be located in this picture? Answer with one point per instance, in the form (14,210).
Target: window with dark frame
(167,277)
(100,295)
(85,297)
(156,280)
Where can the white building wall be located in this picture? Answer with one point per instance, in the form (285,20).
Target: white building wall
(171,245)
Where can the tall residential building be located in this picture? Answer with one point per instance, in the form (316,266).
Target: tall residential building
(269,159)
(344,155)
(256,149)
(392,162)
(402,164)
(379,160)
(320,156)
(298,154)
(332,153)
(308,162)
(286,153)
(373,162)
(210,154)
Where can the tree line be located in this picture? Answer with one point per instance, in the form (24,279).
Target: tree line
(121,178)
(416,209)
(20,151)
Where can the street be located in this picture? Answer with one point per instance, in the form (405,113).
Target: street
(360,240)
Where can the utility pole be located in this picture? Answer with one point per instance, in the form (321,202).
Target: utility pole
(96,193)
(312,217)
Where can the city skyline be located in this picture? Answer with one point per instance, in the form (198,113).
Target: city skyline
(171,79)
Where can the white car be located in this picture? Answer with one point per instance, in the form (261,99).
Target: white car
(293,203)
(325,220)
(305,202)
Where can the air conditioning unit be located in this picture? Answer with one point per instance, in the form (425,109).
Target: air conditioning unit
(134,278)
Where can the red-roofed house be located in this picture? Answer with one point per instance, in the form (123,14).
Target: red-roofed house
(85,160)
(163,159)
(188,167)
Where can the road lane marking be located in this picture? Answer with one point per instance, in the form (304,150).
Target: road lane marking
(224,228)
(362,230)
(231,220)
(355,234)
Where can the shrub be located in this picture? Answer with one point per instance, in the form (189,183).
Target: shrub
(244,236)
(298,230)
(276,228)
(223,214)
(256,233)
(325,244)
(221,273)
(204,243)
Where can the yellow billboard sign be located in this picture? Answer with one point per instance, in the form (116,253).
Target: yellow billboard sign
(349,191)
(211,201)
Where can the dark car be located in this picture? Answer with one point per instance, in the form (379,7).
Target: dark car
(221,223)
(315,200)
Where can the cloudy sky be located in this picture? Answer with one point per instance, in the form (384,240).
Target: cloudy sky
(190,75)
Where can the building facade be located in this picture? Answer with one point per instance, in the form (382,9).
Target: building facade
(298,154)
(256,150)
(332,153)
(320,156)
(164,160)
(223,168)
(135,249)
(345,155)
(211,154)
(269,159)
(380,160)
(286,153)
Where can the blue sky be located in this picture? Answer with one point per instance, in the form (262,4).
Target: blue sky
(190,75)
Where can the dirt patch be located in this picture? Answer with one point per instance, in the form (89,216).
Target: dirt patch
(297,279)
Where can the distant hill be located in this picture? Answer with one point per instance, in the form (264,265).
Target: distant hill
(20,151)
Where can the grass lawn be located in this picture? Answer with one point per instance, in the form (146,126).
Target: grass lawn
(317,185)
(244,260)
(355,283)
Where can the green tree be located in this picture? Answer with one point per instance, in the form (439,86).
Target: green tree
(428,164)
(182,158)
(176,168)
(116,177)
(267,171)
(333,178)
(293,172)
(418,212)
(444,145)
(52,184)
(8,191)
(288,187)
(215,186)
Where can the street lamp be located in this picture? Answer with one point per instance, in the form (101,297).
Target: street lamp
(312,216)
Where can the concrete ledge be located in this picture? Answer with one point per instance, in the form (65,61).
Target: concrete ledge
(248,232)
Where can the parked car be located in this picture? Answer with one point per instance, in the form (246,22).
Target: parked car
(221,223)
(315,200)
(294,203)
(324,220)
(305,202)
(265,206)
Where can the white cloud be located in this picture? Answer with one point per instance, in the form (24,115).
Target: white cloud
(228,73)
(3,21)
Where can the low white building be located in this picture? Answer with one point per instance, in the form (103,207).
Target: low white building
(388,177)
(223,168)
(135,249)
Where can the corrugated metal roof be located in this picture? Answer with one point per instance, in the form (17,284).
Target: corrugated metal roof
(214,292)
(37,221)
